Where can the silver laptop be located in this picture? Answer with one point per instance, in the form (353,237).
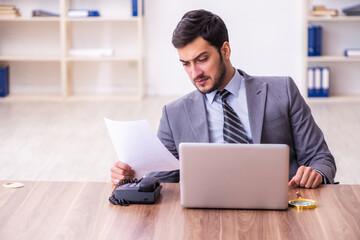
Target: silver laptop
(245,176)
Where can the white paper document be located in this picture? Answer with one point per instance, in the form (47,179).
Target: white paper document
(137,145)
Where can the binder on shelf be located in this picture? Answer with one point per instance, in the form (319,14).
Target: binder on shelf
(4,80)
(325,81)
(43,13)
(318,81)
(75,13)
(318,40)
(314,40)
(352,52)
(134,5)
(311,40)
(310,82)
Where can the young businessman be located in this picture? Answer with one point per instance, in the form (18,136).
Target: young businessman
(269,109)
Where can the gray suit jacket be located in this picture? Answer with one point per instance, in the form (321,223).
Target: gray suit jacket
(277,114)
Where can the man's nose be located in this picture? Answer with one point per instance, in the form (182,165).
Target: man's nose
(195,71)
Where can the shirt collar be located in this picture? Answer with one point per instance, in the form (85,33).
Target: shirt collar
(233,87)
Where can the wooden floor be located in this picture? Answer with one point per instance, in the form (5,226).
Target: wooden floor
(68,140)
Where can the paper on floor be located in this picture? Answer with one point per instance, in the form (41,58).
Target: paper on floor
(137,145)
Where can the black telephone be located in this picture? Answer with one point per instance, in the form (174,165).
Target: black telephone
(145,190)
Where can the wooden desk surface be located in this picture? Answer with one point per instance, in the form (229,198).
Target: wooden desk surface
(75,210)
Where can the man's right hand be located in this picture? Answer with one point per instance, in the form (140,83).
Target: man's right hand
(120,171)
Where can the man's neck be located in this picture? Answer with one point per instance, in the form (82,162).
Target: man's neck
(230,72)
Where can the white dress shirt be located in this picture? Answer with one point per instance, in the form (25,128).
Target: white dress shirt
(237,100)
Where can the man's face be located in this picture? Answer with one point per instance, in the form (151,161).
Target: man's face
(204,65)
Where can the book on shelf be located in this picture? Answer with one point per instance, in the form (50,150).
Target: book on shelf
(7,7)
(78,13)
(314,40)
(43,13)
(92,52)
(318,81)
(4,80)
(134,5)
(9,11)
(321,11)
(352,52)
(352,10)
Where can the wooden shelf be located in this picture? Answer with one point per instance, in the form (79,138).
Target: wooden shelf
(30,19)
(32,97)
(105,19)
(73,97)
(102,59)
(80,19)
(30,45)
(105,97)
(333,19)
(11,58)
(333,59)
(338,33)
(338,98)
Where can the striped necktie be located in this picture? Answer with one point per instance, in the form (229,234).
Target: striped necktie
(233,129)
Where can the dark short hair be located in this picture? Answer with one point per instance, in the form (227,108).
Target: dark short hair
(200,23)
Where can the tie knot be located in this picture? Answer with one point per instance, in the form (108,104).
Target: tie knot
(224,94)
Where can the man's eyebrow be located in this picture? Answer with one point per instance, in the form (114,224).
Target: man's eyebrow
(198,56)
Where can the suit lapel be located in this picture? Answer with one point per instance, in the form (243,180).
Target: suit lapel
(256,93)
(196,113)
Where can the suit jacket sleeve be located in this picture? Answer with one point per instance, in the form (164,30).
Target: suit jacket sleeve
(165,134)
(309,143)
(166,137)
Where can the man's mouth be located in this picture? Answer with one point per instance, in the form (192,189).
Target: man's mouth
(201,81)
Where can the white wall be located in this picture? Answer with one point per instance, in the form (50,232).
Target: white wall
(265,36)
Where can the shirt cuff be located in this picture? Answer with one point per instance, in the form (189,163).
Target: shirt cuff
(324,180)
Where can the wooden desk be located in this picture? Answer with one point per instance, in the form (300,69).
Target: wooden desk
(75,210)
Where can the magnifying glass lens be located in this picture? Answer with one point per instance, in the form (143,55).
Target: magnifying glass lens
(302,203)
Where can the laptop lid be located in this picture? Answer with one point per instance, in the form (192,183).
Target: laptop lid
(246,176)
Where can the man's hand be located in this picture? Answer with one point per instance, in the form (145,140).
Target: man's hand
(120,171)
(306,177)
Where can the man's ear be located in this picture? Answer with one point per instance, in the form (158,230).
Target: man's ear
(226,50)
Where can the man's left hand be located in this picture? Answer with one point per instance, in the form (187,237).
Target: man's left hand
(306,177)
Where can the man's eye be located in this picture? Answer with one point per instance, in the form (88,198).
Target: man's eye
(202,59)
(185,64)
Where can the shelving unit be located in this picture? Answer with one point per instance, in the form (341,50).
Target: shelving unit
(339,33)
(38,47)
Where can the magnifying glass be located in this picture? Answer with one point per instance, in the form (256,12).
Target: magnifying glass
(302,203)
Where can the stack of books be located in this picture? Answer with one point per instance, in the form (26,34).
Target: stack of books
(318,81)
(314,40)
(9,11)
(321,11)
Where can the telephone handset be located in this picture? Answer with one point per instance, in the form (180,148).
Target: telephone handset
(145,190)
(149,184)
